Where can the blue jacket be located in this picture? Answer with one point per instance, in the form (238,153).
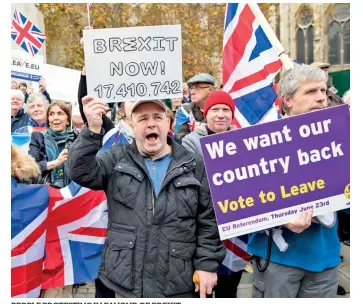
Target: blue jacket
(315,249)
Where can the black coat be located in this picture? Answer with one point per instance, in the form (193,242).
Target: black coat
(153,244)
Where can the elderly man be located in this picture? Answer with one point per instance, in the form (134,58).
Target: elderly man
(191,114)
(162,227)
(309,267)
(18,117)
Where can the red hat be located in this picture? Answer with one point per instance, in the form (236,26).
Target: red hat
(218,97)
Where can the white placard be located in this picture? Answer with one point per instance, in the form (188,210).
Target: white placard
(61,83)
(25,66)
(134,63)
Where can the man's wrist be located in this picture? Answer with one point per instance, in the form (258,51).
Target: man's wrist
(96,130)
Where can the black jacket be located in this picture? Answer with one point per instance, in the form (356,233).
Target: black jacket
(20,120)
(153,244)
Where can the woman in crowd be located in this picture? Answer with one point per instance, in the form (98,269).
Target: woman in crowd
(50,150)
(37,108)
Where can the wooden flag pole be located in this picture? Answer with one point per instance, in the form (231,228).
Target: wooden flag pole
(286,61)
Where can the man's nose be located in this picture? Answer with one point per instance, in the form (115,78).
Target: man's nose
(151,123)
(320,96)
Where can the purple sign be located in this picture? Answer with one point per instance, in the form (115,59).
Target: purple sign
(265,175)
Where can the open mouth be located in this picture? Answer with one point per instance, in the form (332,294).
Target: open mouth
(152,137)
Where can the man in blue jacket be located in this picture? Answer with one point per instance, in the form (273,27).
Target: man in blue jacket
(309,267)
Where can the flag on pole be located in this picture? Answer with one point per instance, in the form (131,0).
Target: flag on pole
(89,18)
(250,64)
(26,34)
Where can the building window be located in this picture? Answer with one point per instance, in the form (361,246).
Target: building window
(305,36)
(339,34)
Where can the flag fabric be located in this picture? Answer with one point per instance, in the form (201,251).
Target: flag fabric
(182,117)
(29,210)
(57,234)
(26,34)
(76,231)
(89,5)
(250,64)
(21,140)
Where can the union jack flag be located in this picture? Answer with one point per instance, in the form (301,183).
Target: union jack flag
(250,64)
(26,34)
(57,236)
(29,211)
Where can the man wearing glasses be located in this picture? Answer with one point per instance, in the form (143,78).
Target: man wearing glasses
(191,114)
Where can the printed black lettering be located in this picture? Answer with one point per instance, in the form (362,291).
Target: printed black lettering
(171,41)
(158,41)
(130,44)
(99,46)
(144,43)
(115,43)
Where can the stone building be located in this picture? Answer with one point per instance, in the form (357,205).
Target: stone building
(315,32)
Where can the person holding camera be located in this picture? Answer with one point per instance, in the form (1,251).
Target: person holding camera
(50,150)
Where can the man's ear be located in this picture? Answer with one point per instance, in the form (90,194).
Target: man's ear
(287,100)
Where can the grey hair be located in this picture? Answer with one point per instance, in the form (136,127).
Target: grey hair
(17,93)
(35,96)
(293,78)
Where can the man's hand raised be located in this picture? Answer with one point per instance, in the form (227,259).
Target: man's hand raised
(93,110)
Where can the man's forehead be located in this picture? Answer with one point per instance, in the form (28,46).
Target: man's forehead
(148,108)
(312,84)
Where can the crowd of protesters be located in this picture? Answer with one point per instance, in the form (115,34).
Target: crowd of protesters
(163,239)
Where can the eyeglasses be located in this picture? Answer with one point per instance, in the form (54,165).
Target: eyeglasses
(197,88)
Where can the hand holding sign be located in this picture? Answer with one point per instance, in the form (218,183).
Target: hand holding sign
(302,223)
(94,109)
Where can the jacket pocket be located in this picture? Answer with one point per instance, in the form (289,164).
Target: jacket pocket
(128,180)
(187,196)
(179,278)
(119,258)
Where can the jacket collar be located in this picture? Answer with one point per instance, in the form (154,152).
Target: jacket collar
(20,113)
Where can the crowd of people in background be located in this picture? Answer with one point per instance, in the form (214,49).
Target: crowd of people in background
(64,146)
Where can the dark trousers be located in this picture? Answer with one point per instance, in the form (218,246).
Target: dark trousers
(102,291)
(227,285)
(343,225)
